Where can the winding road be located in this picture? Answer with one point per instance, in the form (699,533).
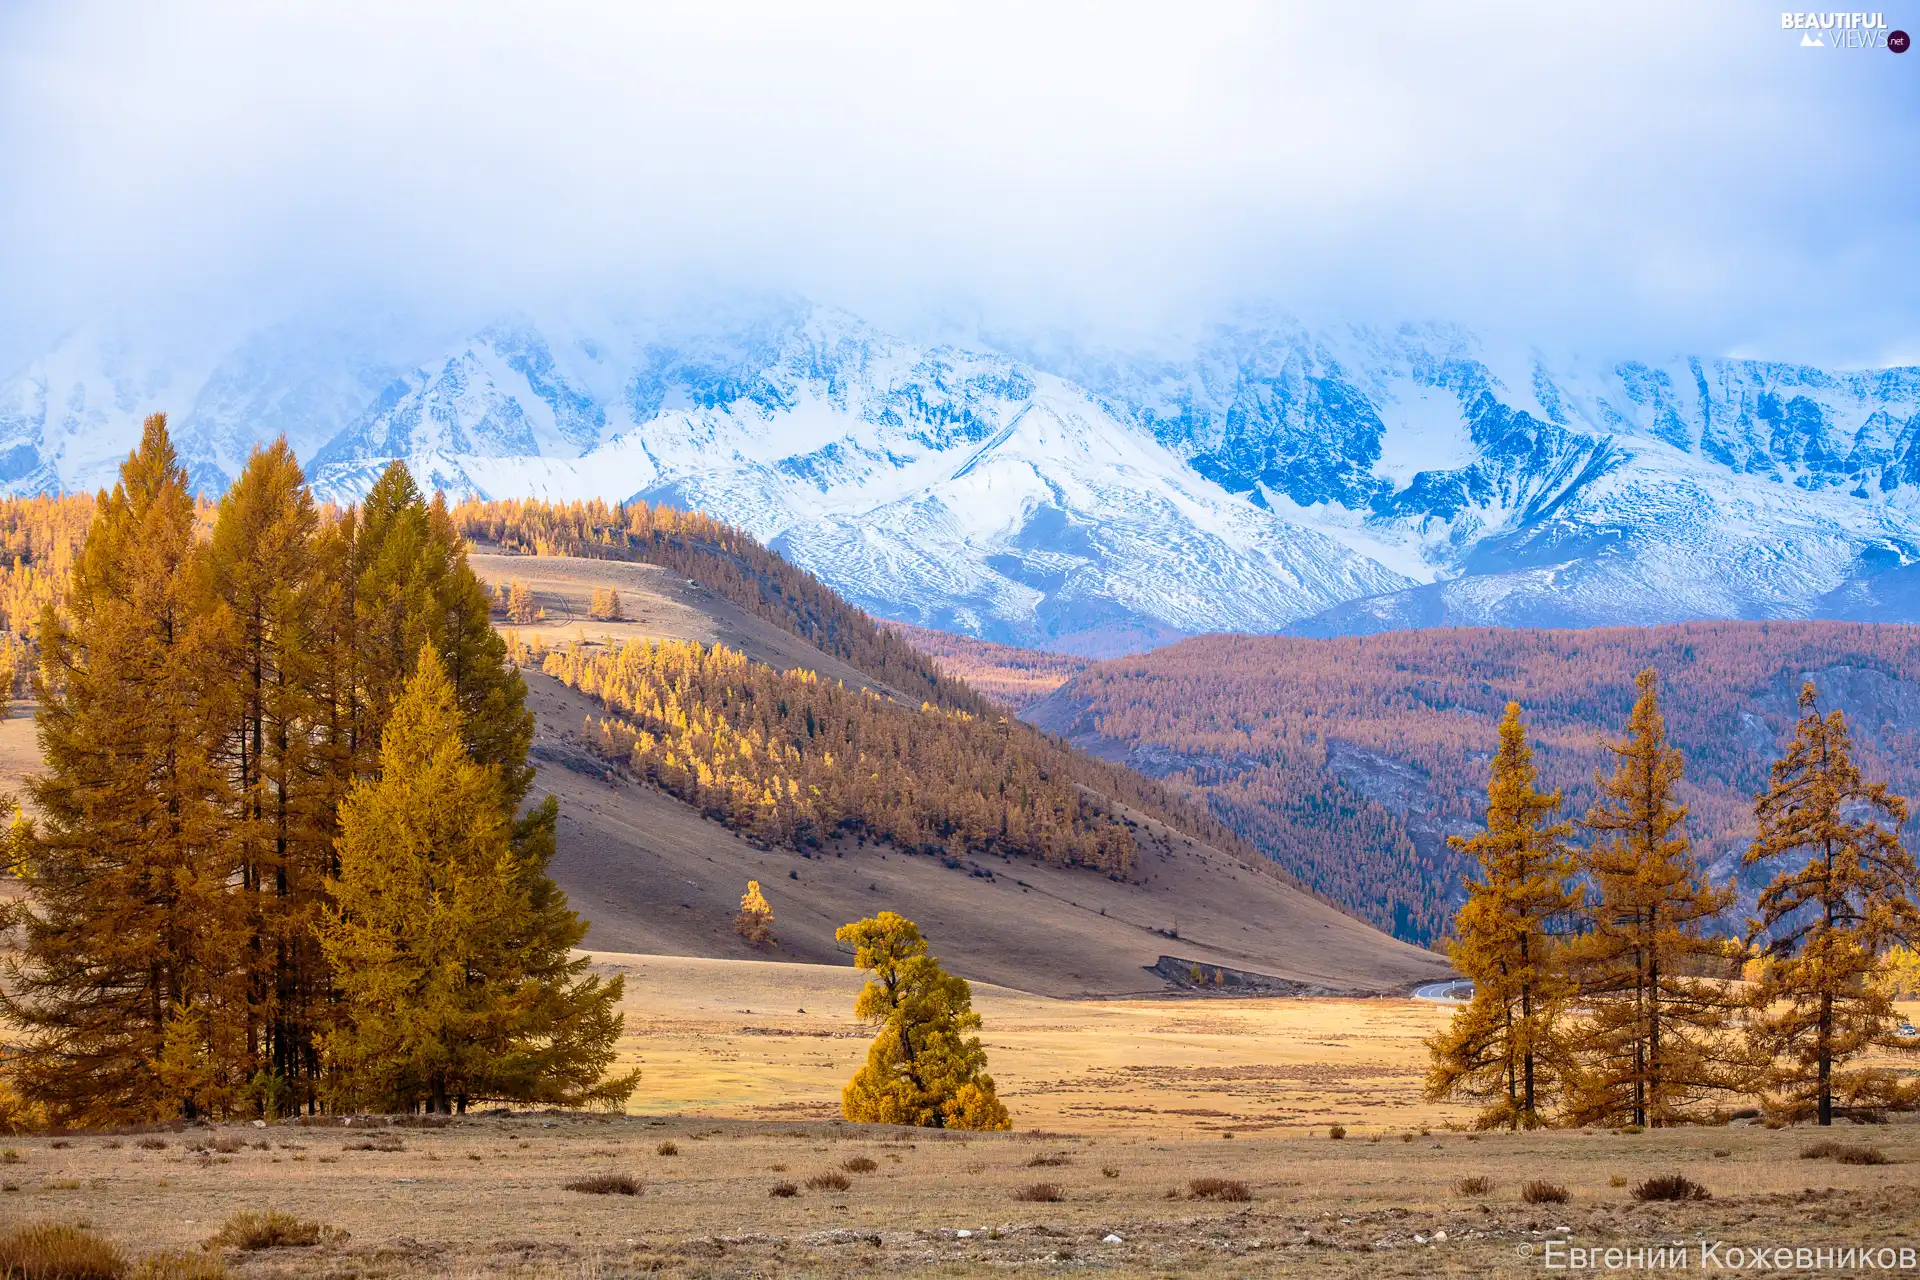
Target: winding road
(1457,991)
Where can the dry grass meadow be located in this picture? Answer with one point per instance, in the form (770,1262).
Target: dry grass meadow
(1123,1108)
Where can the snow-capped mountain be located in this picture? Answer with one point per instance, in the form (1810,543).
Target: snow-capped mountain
(1267,477)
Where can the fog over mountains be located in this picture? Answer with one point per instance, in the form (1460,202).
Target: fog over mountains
(1266,476)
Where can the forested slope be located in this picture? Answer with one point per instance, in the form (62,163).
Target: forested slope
(1349,760)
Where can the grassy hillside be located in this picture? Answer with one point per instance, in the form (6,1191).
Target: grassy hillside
(1350,760)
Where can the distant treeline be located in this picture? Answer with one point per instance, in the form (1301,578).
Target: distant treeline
(1253,720)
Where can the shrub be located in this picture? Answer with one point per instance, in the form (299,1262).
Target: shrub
(1337,1132)
(1671,1186)
(784,1190)
(1041,1193)
(606,1184)
(47,1251)
(1474,1186)
(1617,1180)
(860,1164)
(831,1180)
(1842,1153)
(1219,1189)
(374,1144)
(270,1229)
(180,1266)
(667,1148)
(1540,1191)
(226,1144)
(151,1144)
(1108,1171)
(1046,1160)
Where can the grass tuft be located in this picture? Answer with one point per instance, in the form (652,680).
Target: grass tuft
(1219,1189)
(831,1180)
(1047,1160)
(1041,1193)
(1540,1191)
(606,1184)
(860,1164)
(1474,1186)
(667,1148)
(375,1144)
(1671,1186)
(151,1144)
(271,1229)
(1337,1131)
(784,1190)
(1844,1153)
(180,1266)
(49,1251)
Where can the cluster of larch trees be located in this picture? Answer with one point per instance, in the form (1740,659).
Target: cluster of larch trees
(277,860)
(1602,994)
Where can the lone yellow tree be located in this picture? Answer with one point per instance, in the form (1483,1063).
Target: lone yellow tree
(1655,1041)
(1506,1042)
(922,1069)
(605,605)
(755,920)
(519,603)
(1844,892)
(438,923)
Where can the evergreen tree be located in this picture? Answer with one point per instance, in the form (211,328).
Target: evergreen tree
(1506,1043)
(922,1069)
(1844,892)
(1655,1041)
(449,943)
(260,572)
(132,950)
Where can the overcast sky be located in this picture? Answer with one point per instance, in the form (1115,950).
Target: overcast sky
(1615,178)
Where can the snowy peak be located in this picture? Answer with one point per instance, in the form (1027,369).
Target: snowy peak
(1267,475)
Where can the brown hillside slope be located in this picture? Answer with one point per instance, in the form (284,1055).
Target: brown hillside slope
(652,875)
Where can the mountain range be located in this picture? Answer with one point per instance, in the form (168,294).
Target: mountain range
(1264,475)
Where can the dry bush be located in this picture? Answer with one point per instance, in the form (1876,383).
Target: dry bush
(831,1180)
(1671,1186)
(375,1144)
(1108,1171)
(1337,1132)
(1041,1193)
(1617,1180)
(49,1251)
(783,1190)
(151,1144)
(860,1164)
(667,1148)
(180,1266)
(1540,1191)
(1843,1153)
(60,1144)
(1046,1160)
(9,1156)
(606,1184)
(1219,1189)
(226,1144)
(270,1229)
(1474,1186)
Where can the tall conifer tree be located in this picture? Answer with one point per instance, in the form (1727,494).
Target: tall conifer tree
(449,943)
(131,985)
(1656,1040)
(1506,1043)
(260,573)
(1843,893)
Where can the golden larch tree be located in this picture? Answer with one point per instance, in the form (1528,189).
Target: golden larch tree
(1655,1041)
(605,605)
(129,988)
(1506,1043)
(922,1068)
(754,922)
(1843,893)
(436,915)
